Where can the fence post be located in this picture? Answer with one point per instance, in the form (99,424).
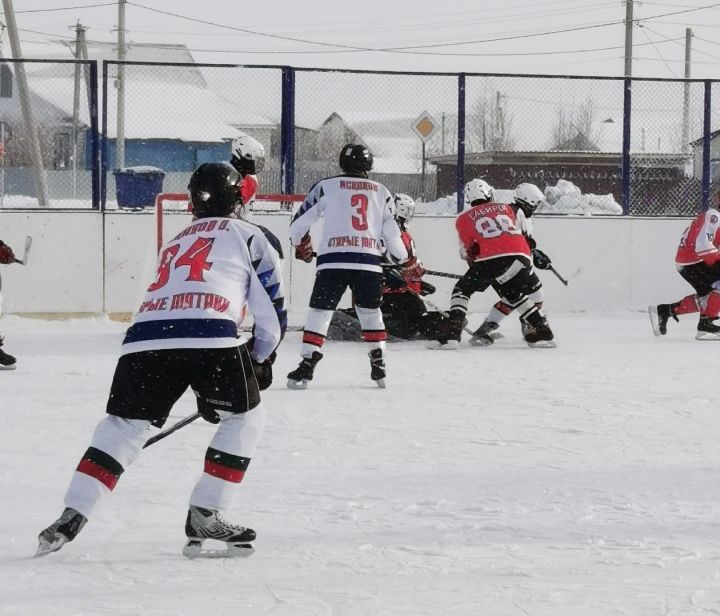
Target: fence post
(627,121)
(460,174)
(94,135)
(103,139)
(707,116)
(287,131)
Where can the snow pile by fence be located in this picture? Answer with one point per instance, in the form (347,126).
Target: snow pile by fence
(563,198)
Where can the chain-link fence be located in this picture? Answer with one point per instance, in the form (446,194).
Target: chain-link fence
(48,133)
(640,146)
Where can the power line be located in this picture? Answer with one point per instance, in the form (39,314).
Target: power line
(64,8)
(667,66)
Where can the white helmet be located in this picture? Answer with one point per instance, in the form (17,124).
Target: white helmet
(528,197)
(248,155)
(478,190)
(404,207)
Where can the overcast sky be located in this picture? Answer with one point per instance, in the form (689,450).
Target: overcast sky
(518,36)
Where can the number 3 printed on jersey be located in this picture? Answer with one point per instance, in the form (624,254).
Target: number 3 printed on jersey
(194,257)
(359,203)
(493,227)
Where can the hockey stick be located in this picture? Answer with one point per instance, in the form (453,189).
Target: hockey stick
(26,253)
(443,274)
(554,271)
(167,432)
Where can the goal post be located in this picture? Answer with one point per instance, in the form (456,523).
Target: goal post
(168,205)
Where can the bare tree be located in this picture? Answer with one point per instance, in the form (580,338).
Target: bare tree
(492,124)
(573,130)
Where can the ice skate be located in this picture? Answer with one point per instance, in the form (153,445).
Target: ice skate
(7,362)
(303,374)
(64,529)
(203,524)
(540,335)
(707,329)
(377,367)
(659,317)
(485,335)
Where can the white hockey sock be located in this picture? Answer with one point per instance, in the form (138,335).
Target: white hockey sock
(115,445)
(228,457)
(373,327)
(316,327)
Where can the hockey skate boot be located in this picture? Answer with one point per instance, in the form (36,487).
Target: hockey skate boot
(540,335)
(64,529)
(707,329)
(202,524)
(659,317)
(7,362)
(483,335)
(299,378)
(377,367)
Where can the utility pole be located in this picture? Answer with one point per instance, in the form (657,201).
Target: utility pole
(24,93)
(628,37)
(686,93)
(120,136)
(79,43)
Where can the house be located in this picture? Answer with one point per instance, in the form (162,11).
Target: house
(697,155)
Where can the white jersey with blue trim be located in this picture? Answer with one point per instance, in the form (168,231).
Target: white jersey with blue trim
(206,277)
(358,223)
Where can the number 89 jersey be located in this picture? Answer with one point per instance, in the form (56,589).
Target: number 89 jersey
(492,230)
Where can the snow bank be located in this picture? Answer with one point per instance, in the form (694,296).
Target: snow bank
(563,198)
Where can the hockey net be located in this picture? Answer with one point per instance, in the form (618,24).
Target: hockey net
(173,211)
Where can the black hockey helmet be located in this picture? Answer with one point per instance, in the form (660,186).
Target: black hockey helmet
(214,189)
(356,159)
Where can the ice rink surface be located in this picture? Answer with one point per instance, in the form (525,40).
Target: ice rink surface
(582,480)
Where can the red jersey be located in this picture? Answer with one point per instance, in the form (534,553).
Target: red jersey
(700,240)
(414,284)
(492,230)
(249,188)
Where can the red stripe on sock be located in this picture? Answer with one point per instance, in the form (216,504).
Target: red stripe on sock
(688,305)
(374,336)
(315,339)
(503,308)
(96,471)
(223,472)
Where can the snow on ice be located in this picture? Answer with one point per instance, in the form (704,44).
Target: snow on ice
(500,481)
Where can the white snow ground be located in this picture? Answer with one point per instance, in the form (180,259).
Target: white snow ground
(582,480)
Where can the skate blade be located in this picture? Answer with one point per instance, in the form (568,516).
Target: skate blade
(10,367)
(707,336)
(480,342)
(436,345)
(380,383)
(652,313)
(543,344)
(194,549)
(297,384)
(46,547)
(496,335)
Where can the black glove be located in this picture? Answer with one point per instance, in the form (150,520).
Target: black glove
(540,259)
(263,372)
(207,412)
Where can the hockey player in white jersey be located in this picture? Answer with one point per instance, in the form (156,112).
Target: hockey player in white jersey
(358,228)
(185,334)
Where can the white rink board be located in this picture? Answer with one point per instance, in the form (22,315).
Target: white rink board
(87,262)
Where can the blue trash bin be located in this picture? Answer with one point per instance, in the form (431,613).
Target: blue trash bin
(137,187)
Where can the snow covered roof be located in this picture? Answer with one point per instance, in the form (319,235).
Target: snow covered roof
(161,102)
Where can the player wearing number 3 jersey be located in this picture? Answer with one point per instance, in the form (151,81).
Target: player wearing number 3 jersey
(185,335)
(358,227)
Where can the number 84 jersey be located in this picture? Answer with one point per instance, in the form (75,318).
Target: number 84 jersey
(493,230)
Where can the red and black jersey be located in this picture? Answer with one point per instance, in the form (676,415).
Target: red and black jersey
(492,230)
